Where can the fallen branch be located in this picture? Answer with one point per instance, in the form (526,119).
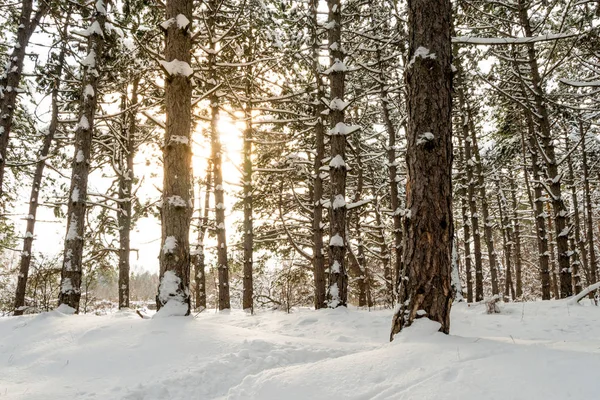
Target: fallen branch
(575,299)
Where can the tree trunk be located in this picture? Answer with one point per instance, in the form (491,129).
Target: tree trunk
(177,207)
(466,225)
(318,261)
(517,235)
(198,259)
(11,79)
(507,237)
(338,279)
(538,210)
(554,178)
(485,213)
(248,292)
(552,256)
(425,286)
(37,182)
(126,176)
(70,286)
(473,210)
(589,213)
(216,160)
(577,247)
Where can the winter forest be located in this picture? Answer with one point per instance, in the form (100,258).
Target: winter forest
(257,199)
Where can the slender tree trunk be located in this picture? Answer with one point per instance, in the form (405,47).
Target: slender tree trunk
(425,285)
(338,279)
(538,209)
(575,239)
(177,205)
(384,251)
(466,225)
(517,235)
(473,209)
(11,78)
(554,178)
(359,269)
(468,190)
(199,259)
(216,160)
(485,213)
(553,277)
(589,212)
(248,238)
(318,261)
(507,236)
(36,186)
(70,287)
(126,176)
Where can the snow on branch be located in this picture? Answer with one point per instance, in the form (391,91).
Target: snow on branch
(575,299)
(580,83)
(517,40)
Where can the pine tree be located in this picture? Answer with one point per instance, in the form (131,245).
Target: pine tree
(425,284)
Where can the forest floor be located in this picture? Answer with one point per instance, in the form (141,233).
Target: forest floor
(548,350)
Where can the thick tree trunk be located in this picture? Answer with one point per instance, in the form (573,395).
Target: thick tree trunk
(11,78)
(70,287)
(318,262)
(425,286)
(338,279)
(126,177)
(37,183)
(177,205)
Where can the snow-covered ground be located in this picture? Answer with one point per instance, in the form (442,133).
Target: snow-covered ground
(548,350)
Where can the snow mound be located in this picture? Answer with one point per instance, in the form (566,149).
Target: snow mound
(546,350)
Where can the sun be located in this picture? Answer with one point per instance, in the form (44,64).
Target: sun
(232,144)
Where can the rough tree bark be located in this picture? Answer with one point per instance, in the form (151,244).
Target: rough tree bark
(425,286)
(70,286)
(177,204)
(318,261)
(337,292)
